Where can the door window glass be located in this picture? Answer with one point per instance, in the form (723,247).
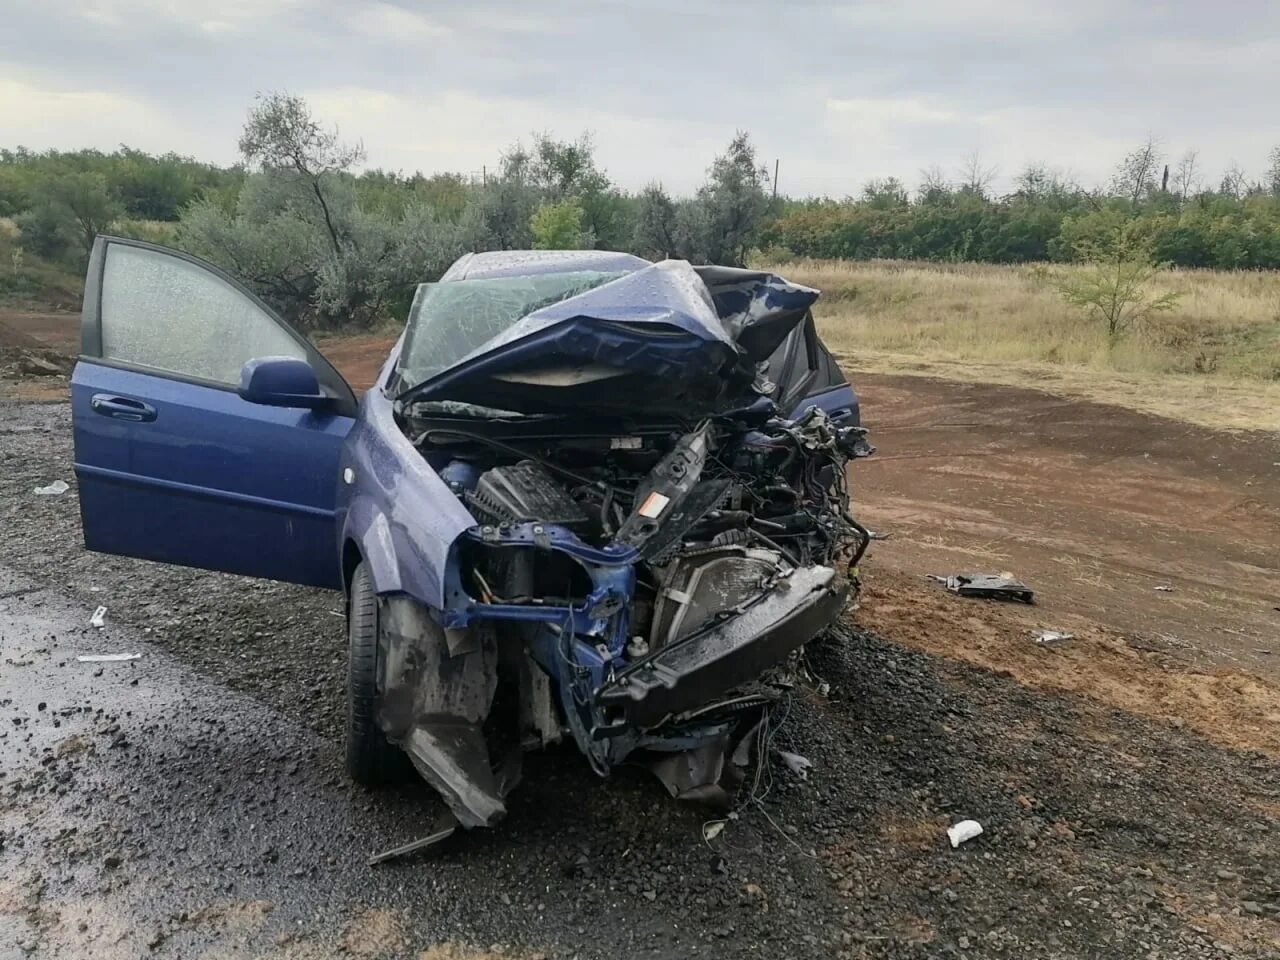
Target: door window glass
(164,312)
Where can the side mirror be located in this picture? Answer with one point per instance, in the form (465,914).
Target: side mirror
(281,382)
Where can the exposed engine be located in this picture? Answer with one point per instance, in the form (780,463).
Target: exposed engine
(715,513)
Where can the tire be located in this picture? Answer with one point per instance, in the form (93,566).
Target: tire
(371,760)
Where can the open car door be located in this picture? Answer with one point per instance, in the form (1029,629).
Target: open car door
(207,430)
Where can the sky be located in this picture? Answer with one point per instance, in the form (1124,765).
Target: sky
(837,93)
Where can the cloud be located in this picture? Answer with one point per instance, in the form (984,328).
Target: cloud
(223,17)
(387,22)
(970,16)
(459,130)
(840,92)
(880,117)
(69,119)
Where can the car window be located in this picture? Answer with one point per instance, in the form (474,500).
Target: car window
(453,319)
(167,313)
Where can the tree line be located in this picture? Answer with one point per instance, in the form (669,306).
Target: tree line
(1167,208)
(325,242)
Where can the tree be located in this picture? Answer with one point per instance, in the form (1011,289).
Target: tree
(68,210)
(975,177)
(564,168)
(934,186)
(560,169)
(558,226)
(281,135)
(1186,175)
(655,226)
(885,194)
(1135,177)
(1234,182)
(313,240)
(1114,284)
(1273,172)
(724,219)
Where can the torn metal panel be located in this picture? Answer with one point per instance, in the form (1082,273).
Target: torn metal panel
(694,669)
(993,586)
(434,703)
(695,774)
(591,339)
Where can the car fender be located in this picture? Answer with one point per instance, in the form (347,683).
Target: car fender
(397,511)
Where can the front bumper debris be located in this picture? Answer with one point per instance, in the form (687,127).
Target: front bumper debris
(690,672)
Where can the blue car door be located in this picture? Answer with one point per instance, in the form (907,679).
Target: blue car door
(173,463)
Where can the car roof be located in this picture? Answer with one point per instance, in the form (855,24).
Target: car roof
(524,263)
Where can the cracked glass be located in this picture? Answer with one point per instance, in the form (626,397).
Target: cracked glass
(172,315)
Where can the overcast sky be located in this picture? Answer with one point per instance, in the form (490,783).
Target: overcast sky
(839,92)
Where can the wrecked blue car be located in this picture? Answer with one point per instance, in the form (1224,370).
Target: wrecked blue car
(589,496)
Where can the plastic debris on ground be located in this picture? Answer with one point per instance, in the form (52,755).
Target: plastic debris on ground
(54,489)
(712,829)
(107,657)
(99,618)
(1165,588)
(963,831)
(797,764)
(1050,637)
(997,586)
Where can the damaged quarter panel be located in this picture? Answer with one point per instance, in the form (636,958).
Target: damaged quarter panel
(394,508)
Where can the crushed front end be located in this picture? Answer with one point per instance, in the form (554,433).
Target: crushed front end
(654,539)
(637,581)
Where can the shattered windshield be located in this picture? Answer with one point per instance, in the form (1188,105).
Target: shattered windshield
(450,321)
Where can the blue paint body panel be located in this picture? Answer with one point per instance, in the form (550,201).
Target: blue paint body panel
(402,518)
(213,481)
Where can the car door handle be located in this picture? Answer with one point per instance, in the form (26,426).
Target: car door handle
(122,408)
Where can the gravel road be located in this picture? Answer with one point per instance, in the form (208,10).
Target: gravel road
(191,803)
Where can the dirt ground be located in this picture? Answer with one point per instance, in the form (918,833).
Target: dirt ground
(1127,778)
(1145,538)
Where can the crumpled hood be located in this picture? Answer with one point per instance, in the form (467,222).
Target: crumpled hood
(669,338)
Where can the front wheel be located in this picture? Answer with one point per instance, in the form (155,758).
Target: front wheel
(371,760)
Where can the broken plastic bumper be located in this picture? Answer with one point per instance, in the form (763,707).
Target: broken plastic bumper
(689,672)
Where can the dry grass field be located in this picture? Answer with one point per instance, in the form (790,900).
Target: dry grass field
(1213,360)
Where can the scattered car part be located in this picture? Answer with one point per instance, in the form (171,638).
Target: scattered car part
(963,831)
(1051,637)
(995,586)
(797,764)
(444,827)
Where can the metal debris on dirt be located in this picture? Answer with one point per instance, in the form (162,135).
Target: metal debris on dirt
(1050,637)
(107,657)
(57,488)
(797,764)
(444,827)
(1165,588)
(963,831)
(995,586)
